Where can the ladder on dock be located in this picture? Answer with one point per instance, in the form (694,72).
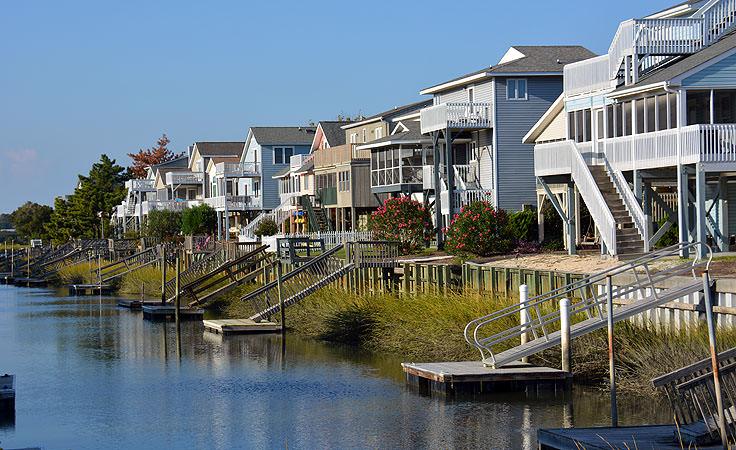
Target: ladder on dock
(321,271)
(204,286)
(128,264)
(638,282)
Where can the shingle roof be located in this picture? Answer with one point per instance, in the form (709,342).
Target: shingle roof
(220,148)
(281,173)
(536,59)
(309,165)
(413,134)
(182,161)
(687,63)
(333,131)
(284,135)
(396,111)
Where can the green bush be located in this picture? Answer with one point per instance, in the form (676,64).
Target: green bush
(523,225)
(671,237)
(479,230)
(162,224)
(401,220)
(200,219)
(266,227)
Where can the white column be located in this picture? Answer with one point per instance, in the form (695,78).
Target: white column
(723,212)
(700,211)
(682,207)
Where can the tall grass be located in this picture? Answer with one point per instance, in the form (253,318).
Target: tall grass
(81,273)
(146,280)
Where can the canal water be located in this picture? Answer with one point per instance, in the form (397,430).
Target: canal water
(90,375)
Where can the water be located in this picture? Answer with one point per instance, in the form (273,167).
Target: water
(91,375)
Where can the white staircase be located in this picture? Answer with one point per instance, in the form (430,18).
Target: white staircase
(278,215)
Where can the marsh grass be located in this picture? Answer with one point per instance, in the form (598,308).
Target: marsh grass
(81,273)
(148,277)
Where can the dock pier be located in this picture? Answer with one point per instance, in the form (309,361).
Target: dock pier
(240,326)
(159,312)
(89,289)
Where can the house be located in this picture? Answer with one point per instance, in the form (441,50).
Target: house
(267,152)
(481,118)
(643,136)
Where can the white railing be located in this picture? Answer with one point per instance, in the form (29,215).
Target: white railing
(143,184)
(428,177)
(668,36)
(588,75)
(552,158)
(464,198)
(334,238)
(297,161)
(621,46)
(234,202)
(631,203)
(177,178)
(456,115)
(465,174)
(718,17)
(278,215)
(168,205)
(238,170)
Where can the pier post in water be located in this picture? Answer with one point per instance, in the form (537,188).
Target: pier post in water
(177,297)
(611,361)
(163,274)
(708,294)
(565,333)
(279,271)
(523,315)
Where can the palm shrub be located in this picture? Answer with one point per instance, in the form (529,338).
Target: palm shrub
(402,220)
(479,229)
(266,227)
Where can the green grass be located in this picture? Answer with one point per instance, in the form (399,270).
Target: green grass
(82,273)
(146,280)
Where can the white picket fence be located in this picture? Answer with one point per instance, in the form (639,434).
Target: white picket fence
(335,238)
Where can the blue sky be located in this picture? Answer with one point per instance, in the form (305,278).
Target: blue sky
(81,78)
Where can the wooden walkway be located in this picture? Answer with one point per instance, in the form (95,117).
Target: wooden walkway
(473,377)
(660,437)
(240,326)
(168,312)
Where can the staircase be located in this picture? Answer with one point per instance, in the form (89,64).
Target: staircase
(318,221)
(628,239)
(129,264)
(640,291)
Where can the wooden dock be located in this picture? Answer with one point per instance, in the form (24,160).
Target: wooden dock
(89,289)
(660,437)
(471,377)
(137,304)
(240,326)
(6,278)
(30,282)
(168,312)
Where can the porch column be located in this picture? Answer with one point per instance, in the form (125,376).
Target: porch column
(353,219)
(219,226)
(638,186)
(682,208)
(723,213)
(646,199)
(701,233)
(450,174)
(437,203)
(578,234)
(540,218)
(572,219)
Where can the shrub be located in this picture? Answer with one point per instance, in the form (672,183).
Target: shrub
(523,225)
(200,219)
(266,227)
(162,224)
(480,230)
(671,237)
(403,220)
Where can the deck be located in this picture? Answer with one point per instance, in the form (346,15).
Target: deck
(473,377)
(30,282)
(168,312)
(661,437)
(240,326)
(89,289)
(137,303)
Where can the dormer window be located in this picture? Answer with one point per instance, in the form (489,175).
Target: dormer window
(516,89)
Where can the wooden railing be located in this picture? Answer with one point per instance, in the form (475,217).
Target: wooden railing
(457,115)
(373,253)
(341,154)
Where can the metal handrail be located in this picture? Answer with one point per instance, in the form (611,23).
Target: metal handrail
(590,305)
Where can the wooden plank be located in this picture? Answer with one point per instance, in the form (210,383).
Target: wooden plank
(240,326)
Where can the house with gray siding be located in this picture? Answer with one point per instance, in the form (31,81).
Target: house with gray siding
(643,137)
(481,117)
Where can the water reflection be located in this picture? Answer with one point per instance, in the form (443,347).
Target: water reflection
(91,375)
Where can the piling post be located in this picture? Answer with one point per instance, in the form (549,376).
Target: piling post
(611,362)
(177,297)
(565,333)
(163,274)
(523,315)
(279,272)
(714,357)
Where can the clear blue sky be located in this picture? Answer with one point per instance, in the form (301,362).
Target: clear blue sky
(79,78)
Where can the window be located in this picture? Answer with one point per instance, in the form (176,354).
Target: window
(651,113)
(471,94)
(627,119)
(516,89)
(619,119)
(256,188)
(724,106)
(282,155)
(609,121)
(662,112)
(353,138)
(378,133)
(639,106)
(672,103)
(343,181)
(698,107)
(365,135)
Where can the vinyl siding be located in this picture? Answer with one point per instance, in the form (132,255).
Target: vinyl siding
(556,130)
(516,182)
(483,92)
(485,149)
(269,186)
(722,73)
(453,96)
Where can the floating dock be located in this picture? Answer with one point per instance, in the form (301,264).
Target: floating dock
(660,437)
(6,278)
(7,393)
(89,289)
(168,312)
(30,282)
(137,304)
(471,377)
(240,326)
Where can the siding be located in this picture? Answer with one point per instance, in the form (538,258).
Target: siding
(456,95)
(483,93)
(556,130)
(722,73)
(485,148)
(269,186)
(516,182)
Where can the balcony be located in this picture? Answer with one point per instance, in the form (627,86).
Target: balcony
(297,161)
(167,205)
(341,154)
(180,178)
(140,185)
(238,170)
(464,116)
(235,203)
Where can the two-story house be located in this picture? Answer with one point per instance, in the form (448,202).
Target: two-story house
(656,114)
(477,122)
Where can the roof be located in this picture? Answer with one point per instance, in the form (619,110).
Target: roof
(544,121)
(685,64)
(283,135)
(393,112)
(678,8)
(282,173)
(220,148)
(182,161)
(309,165)
(523,59)
(333,131)
(413,134)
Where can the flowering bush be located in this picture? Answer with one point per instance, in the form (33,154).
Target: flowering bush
(479,229)
(400,219)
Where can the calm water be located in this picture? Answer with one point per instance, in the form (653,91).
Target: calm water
(91,375)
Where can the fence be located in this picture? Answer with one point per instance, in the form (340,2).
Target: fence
(334,238)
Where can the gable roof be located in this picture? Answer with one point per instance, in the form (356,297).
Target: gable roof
(210,149)
(390,113)
(283,135)
(333,131)
(685,64)
(522,59)
(412,134)
(182,161)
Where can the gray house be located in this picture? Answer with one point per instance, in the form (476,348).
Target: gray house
(481,117)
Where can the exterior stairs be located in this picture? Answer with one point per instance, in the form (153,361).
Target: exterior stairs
(318,220)
(628,240)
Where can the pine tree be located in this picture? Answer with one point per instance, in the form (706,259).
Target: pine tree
(151,156)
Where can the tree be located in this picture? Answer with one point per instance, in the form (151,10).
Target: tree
(200,219)
(86,213)
(162,224)
(5,221)
(158,154)
(30,219)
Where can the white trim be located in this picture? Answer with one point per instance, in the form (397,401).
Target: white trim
(494,145)
(512,54)
(400,124)
(637,90)
(555,108)
(414,115)
(451,84)
(516,90)
(283,154)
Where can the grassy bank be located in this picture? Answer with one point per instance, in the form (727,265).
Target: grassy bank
(82,273)
(430,327)
(146,280)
